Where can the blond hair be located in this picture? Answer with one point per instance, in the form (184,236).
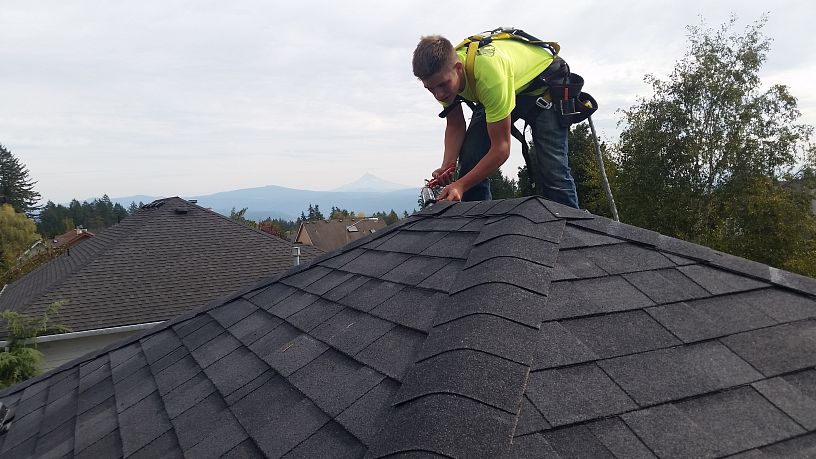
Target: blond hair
(432,54)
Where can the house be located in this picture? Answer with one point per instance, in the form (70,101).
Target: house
(328,235)
(71,238)
(510,328)
(167,258)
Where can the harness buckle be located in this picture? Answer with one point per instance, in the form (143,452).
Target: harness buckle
(543,103)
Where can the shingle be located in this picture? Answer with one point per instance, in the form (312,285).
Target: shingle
(710,318)
(328,282)
(550,231)
(740,419)
(127,368)
(779,349)
(486,333)
(250,387)
(33,398)
(134,388)
(350,285)
(471,428)
(271,295)
(513,271)
(572,394)
(619,439)
(415,270)
(350,331)
(314,314)
(622,333)
(370,294)
(804,446)
(109,445)
(443,279)
(575,264)
(718,281)
(25,427)
(443,224)
(620,230)
(63,383)
(531,447)
(804,381)
(233,371)
(460,208)
(91,372)
(489,379)
(56,443)
(230,313)
(453,245)
(92,396)
(505,205)
(626,258)
(503,300)
(205,419)
(292,304)
(254,326)
(58,412)
(293,355)
(793,281)
(530,419)
(783,306)
(556,347)
(575,237)
(525,248)
(169,359)
(165,447)
(95,424)
(277,403)
(219,441)
(412,308)
(187,395)
(666,285)
(123,354)
(576,441)
(537,211)
(392,353)
(374,263)
(215,349)
(334,381)
(481,208)
(176,374)
(24,449)
(331,440)
(592,296)
(475,225)
(205,333)
(190,325)
(668,432)
(307,276)
(245,450)
(789,399)
(670,374)
(160,344)
(342,258)
(142,423)
(365,416)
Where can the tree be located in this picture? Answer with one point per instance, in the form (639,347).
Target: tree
(15,187)
(132,208)
(501,187)
(21,360)
(17,233)
(706,156)
(239,217)
(585,172)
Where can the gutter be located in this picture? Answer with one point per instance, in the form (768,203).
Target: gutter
(86,333)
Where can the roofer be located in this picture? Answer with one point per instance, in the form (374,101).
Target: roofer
(504,73)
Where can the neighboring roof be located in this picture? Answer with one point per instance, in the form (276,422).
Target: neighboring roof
(329,235)
(71,237)
(516,327)
(167,258)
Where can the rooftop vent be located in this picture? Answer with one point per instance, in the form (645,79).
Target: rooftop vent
(181,211)
(352,229)
(192,201)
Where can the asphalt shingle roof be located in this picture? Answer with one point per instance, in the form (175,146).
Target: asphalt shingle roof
(167,258)
(516,327)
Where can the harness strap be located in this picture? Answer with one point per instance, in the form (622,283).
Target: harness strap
(470,62)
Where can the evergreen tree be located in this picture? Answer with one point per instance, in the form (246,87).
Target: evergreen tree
(21,360)
(15,187)
(133,208)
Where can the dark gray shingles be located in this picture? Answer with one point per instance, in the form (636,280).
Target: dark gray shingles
(453,245)
(271,295)
(219,441)
(740,419)
(254,326)
(710,317)
(412,242)
(513,271)
(666,285)
(443,224)
(668,432)
(530,419)
(328,282)
(234,370)
(415,270)
(392,353)
(134,388)
(525,248)
(782,305)
(334,381)
(572,394)
(481,208)
(779,349)
(804,381)
(169,359)
(160,344)
(103,447)
(471,428)
(232,312)
(176,374)
(164,447)
(620,230)
(188,326)
(374,263)
(789,399)
(142,423)
(622,333)
(670,374)
(364,417)
(24,449)
(306,277)
(293,354)
(215,349)
(576,441)
(531,447)
(276,404)
(348,286)
(443,279)
(370,294)
(314,314)
(342,257)
(575,264)
(58,412)
(351,331)
(520,226)
(626,258)
(247,449)
(804,447)
(35,396)
(93,396)
(187,395)
(793,281)
(485,333)
(123,354)
(489,379)
(459,208)
(292,304)
(507,301)
(95,424)
(556,346)
(249,387)
(331,440)
(592,296)
(575,237)
(203,334)
(536,211)
(25,428)
(56,443)
(619,439)
(206,419)
(718,281)
(413,308)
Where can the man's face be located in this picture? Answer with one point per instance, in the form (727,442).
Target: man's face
(445,84)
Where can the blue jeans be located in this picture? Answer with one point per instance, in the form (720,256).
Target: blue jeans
(550,157)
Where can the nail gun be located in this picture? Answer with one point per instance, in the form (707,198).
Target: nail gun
(433,187)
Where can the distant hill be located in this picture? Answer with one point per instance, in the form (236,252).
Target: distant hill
(287,203)
(372,184)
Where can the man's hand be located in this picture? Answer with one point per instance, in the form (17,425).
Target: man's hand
(452,192)
(444,179)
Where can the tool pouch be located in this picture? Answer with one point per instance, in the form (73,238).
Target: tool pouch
(572,105)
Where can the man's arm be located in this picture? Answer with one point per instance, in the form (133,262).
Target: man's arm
(454,138)
(499,133)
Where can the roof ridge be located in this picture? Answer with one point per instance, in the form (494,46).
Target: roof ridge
(494,356)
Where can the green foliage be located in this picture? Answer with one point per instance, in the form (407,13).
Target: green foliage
(17,233)
(56,219)
(21,360)
(239,216)
(15,187)
(585,172)
(705,156)
(502,187)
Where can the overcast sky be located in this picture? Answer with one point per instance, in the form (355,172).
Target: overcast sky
(171,97)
